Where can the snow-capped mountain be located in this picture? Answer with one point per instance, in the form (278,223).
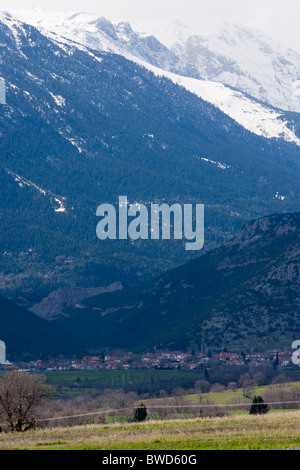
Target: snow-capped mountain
(98,33)
(237,56)
(90,31)
(83,125)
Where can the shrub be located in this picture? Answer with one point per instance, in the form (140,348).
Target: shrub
(140,413)
(259,406)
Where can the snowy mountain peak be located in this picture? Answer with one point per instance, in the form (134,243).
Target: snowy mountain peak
(8,19)
(230,55)
(237,56)
(101,34)
(210,47)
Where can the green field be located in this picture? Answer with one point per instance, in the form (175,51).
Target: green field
(73,383)
(272,431)
(231,396)
(70,384)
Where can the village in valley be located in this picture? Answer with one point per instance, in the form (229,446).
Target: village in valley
(174,360)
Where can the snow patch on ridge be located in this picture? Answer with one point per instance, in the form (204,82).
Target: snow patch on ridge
(252,115)
(22,182)
(59,100)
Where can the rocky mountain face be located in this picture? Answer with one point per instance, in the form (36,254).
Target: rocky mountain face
(55,304)
(243,295)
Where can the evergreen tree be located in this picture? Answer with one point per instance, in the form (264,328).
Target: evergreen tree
(276,362)
(140,413)
(259,406)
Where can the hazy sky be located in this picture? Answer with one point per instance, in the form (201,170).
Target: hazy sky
(278,18)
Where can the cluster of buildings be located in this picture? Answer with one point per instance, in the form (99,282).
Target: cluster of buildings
(175,360)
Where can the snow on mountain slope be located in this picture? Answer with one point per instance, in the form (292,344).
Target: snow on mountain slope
(58,202)
(252,115)
(90,31)
(101,34)
(237,56)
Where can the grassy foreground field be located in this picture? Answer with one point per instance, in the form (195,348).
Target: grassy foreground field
(272,431)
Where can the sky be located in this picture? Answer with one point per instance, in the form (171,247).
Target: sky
(277,18)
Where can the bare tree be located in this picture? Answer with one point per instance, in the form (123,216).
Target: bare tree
(217,388)
(232,386)
(202,386)
(259,378)
(247,385)
(20,395)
